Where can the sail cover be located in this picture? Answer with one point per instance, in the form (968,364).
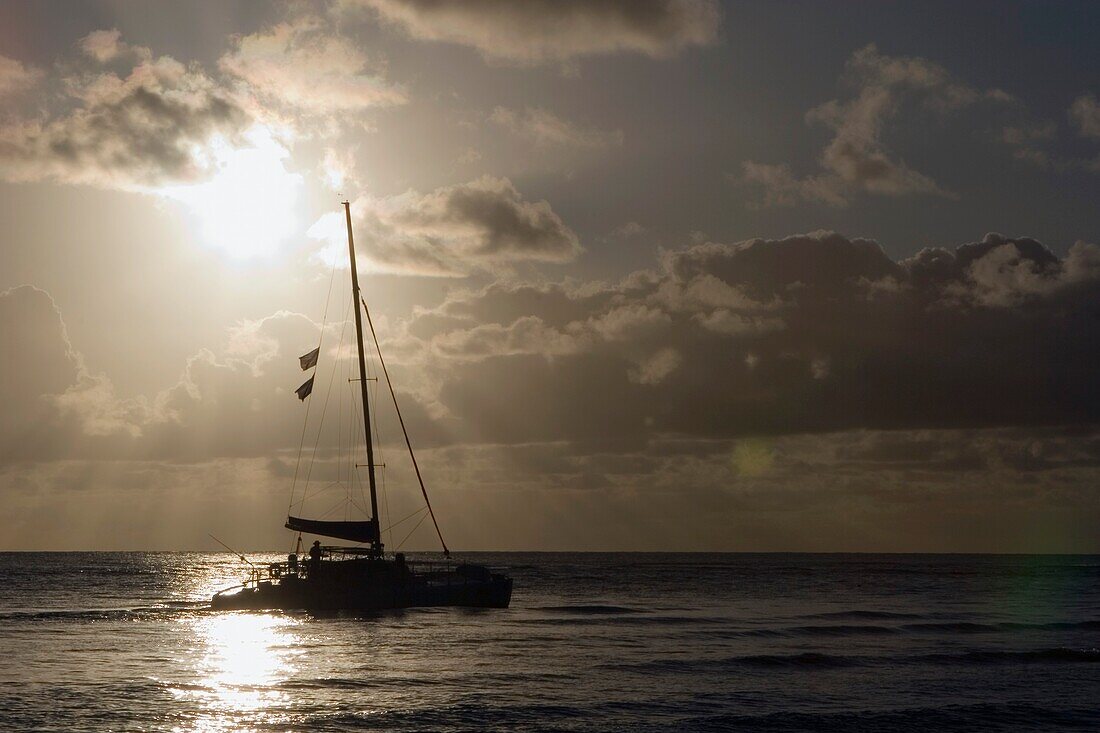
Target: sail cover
(354,531)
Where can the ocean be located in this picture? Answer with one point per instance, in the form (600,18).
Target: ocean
(592,642)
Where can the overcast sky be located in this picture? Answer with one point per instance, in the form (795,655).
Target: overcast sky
(649,274)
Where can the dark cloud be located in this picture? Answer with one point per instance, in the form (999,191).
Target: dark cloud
(805,334)
(539,31)
(454,230)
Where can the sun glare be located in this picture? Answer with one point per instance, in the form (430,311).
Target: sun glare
(251,206)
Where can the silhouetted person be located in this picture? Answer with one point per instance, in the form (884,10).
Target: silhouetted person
(314,558)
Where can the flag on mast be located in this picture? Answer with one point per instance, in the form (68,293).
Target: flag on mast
(308,361)
(306,388)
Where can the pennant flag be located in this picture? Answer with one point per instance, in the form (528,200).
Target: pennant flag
(308,361)
(305,389)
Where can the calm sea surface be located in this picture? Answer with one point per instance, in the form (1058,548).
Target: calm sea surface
(124,642)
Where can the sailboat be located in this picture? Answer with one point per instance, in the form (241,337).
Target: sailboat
(361,577)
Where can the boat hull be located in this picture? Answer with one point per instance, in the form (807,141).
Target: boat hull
(371,591)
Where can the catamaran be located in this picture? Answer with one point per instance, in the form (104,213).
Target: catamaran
(362,577)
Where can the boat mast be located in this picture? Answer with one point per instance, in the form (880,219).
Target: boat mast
(376,542)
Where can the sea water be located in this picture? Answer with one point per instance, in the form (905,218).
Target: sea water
(592,642)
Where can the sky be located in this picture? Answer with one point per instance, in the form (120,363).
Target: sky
(669,275)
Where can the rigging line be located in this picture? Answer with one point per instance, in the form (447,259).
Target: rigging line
(406,518)
(239,555)
(386,500)
(332,379)
(379,448)
(400,419)
(305,420)
(413,530)
(340,504)
(307,493)
(355,429)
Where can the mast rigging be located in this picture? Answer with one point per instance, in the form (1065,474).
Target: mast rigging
(376,542)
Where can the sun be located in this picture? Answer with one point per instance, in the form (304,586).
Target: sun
(251,206)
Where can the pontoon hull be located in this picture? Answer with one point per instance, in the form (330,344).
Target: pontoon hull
(370,592)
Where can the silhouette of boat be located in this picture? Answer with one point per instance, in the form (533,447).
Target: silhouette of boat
(362,577)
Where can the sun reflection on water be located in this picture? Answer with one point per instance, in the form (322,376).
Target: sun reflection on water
(243,661)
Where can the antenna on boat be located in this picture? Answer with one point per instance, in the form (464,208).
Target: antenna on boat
(376,538)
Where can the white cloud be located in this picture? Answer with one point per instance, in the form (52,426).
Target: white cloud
(310,67)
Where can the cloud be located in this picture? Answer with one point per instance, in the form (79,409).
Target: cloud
(483,224)
(38,362)
(857,160)
(15,77)
(805,334)
(545,129)
(155,125)
(105,46)
(1084,113)
(877,417)
(781,187)
(718,342)
(656,368)
(309,67)
(544,31)
(233,404)
(1024,140)
(629,230)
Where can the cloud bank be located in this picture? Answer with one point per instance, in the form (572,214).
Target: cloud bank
(790,389)
(811,333)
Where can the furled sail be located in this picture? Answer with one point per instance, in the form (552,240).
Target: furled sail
(355,531)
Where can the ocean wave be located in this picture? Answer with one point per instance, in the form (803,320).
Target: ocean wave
(971,627)
(946,718)
(841,630)
(816,660)
(629,618)
(861,614)
(1059,655)
(590,609)
(108,614)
